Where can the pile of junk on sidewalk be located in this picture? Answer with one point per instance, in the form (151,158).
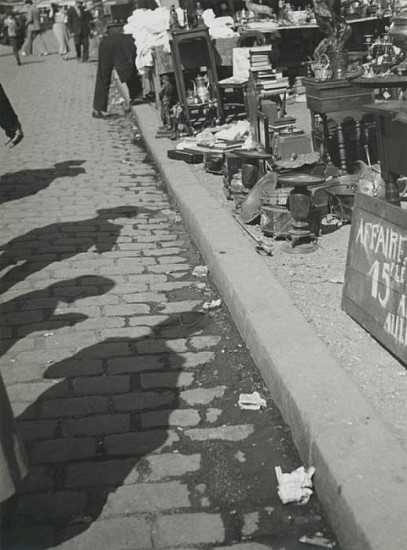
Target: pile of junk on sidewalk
(224,92)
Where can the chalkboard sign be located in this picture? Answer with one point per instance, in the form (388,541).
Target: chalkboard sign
(375,287)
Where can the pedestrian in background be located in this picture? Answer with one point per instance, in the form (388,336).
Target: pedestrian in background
(33,30)
(116,51)
(12,32)
(79,25)
(60,30)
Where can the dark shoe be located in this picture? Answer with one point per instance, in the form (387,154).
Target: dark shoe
(98,114)
(137,101)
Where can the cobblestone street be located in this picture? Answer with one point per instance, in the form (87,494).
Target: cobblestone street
(125,391)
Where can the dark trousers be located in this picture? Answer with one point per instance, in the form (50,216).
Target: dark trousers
(8,118)
(115,52)
(82,47)
(14,45)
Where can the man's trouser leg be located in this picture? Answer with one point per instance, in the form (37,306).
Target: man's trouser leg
(103,77)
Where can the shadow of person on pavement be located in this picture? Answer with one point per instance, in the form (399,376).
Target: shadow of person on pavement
(41,247)
(16,185)
(89,437)
(39,307)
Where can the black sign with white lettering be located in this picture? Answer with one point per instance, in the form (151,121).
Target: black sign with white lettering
(375,287)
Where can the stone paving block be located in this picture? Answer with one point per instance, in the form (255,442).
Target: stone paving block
(168,268)
(126,332)
(162,346)
(147,498)
(33,430)
(62,450)
(179,307)
(39,536)
(77,367)
(28,317)
(171,465)
(194,528)
(202,396)
(102,424)
(144,297)
(148,320)
(39,480)
(127,310)
(172,260)
(48,506)
(137,401)
(104,472)
(29,392)
(74,406)
(166,380)
(136,364)
(179,417)
(190,360)
(224,433)
(101,385)
(202,342)
(139,444)
(111,534)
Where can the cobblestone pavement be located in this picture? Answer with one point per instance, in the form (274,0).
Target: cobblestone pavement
(125,392)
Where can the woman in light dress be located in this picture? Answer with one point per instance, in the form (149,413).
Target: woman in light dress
(60,30)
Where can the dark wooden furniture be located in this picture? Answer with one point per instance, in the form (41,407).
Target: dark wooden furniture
(336,100)
(180,42)
(391,128)
(377,82)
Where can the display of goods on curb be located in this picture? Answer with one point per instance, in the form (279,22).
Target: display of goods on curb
(295,487)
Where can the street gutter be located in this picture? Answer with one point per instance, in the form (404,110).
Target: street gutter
(361,468)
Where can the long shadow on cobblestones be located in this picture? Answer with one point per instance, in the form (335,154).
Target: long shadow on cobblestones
(16,185)
(38,308)
(41,247)
(89,436)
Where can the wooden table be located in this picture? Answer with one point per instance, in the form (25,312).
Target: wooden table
(336,100)
(391,128)
(377,82)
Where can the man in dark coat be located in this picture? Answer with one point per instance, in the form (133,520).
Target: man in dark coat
(79,25)
(116,51)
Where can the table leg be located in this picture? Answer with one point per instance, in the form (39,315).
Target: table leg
(341,147)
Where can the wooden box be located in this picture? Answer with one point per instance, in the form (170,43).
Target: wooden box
(335,95)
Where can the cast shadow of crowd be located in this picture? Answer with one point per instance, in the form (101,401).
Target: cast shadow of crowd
(85,434)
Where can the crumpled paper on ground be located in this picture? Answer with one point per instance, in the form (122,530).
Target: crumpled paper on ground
(251,401)
(200,271)
(295,487)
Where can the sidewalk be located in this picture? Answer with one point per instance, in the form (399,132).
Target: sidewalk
(360,461)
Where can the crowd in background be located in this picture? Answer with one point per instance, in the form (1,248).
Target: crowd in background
(24,31)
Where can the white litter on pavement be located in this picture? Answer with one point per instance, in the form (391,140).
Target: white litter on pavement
(251,401)
(212,305)
(318,540)
(296,486)
(200,271)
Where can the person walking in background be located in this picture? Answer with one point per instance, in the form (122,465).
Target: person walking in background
(79,25)
(116,51)
(12,31)
(60,29)
(33,30)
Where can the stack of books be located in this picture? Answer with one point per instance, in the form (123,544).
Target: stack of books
(267,80)
(259,58)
